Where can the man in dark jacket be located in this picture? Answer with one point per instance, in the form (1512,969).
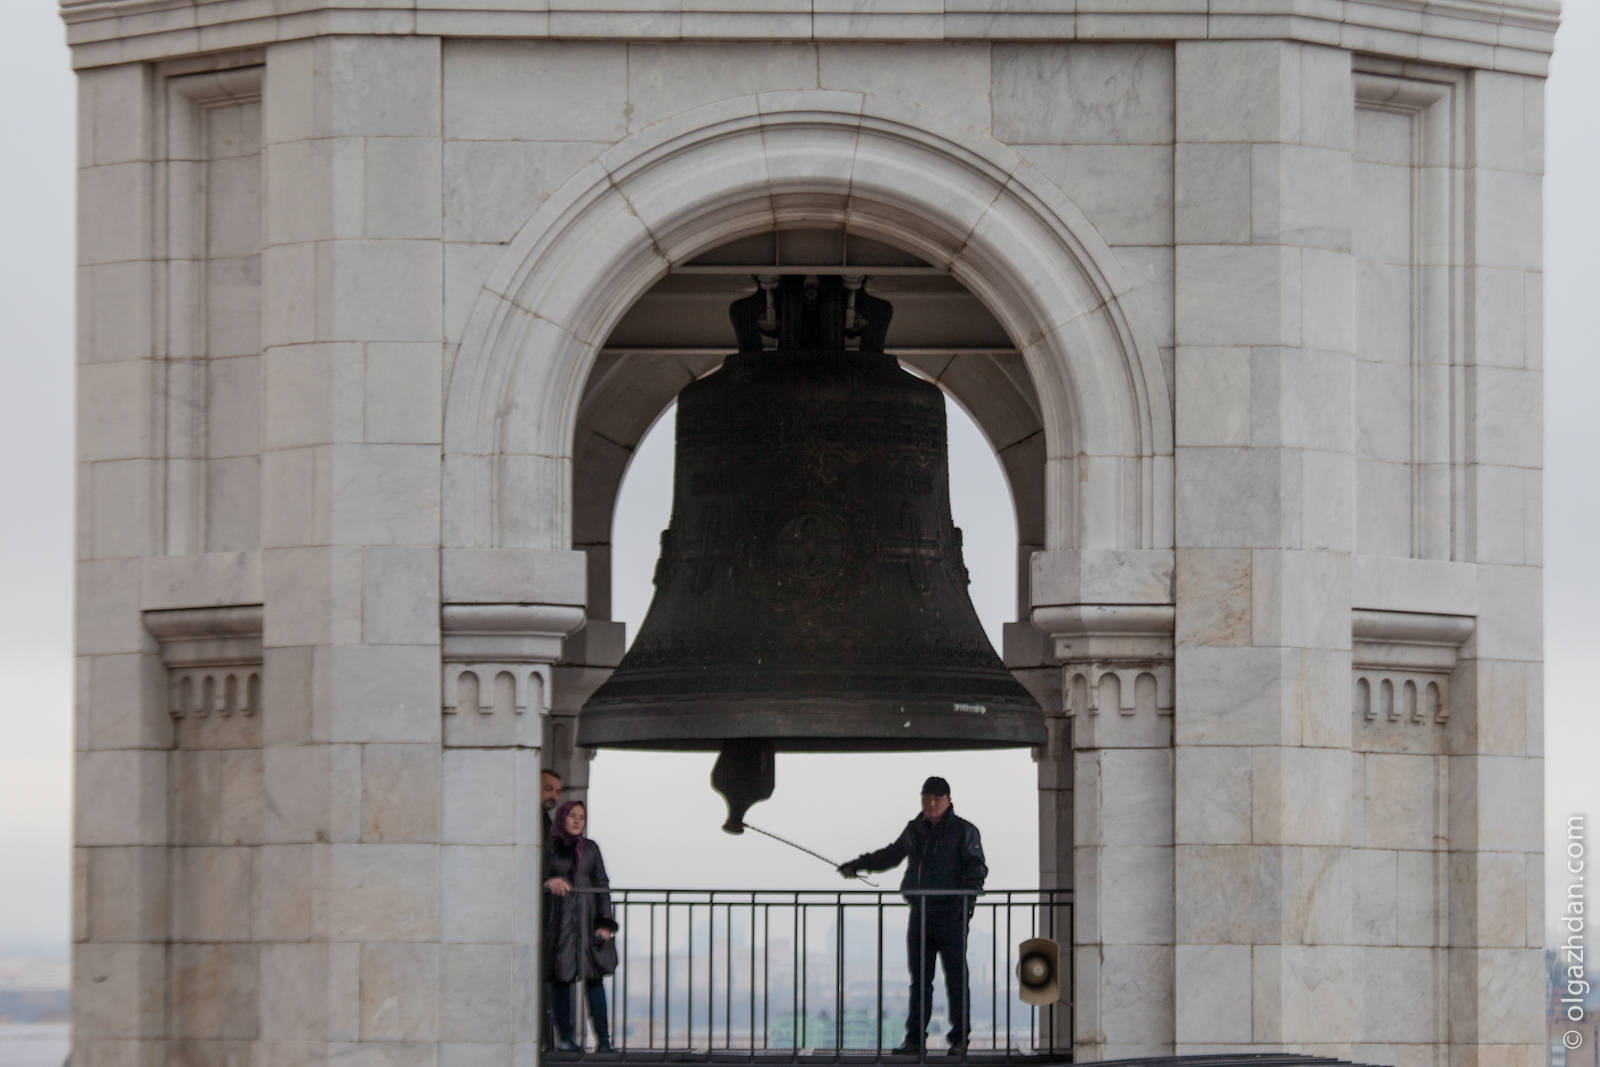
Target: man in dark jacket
(942,851)
(549,797)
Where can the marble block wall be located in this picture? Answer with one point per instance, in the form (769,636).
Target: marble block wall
(1272,422)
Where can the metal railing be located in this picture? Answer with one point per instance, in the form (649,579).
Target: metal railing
(769,974)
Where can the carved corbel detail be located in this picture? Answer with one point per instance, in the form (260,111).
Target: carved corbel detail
(1402,662)
(497,670)
(213,660)
(1116,670)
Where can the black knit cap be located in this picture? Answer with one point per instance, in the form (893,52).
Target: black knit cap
(937,786)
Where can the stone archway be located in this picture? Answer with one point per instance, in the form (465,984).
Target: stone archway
(952,197)
(949,196)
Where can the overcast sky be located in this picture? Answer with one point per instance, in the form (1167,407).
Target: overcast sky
(841,808)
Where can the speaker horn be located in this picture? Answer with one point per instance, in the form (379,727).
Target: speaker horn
(1039,971)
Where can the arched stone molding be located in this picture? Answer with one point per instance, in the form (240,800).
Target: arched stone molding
(889,171)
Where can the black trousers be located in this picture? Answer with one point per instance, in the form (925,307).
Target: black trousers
(560,1000)
(942,933)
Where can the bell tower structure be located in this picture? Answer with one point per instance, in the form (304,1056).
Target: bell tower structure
(1245,297)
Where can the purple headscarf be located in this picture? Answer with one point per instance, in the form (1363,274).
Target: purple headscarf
(558,828)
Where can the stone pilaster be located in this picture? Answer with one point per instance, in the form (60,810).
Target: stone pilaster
(497,686)
(350,883)
(1109,617)
(1265,502)
(122,728)
(1495,739)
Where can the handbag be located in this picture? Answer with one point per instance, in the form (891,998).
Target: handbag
(603,951)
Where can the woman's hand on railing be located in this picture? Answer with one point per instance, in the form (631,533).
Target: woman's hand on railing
(559,886)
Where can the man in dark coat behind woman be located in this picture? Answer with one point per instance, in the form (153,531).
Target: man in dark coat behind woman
(576,924)
(549,799)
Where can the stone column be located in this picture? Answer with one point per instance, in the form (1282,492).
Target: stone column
(1265,507)
(496,699)
(353,901)
(1109,614)
(122,728)
(1495,738)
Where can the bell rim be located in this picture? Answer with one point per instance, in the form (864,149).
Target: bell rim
(814,722)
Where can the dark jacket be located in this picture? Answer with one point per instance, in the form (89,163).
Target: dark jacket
(947,854)
(570,922)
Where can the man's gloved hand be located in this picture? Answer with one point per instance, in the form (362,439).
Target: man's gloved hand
(848,870)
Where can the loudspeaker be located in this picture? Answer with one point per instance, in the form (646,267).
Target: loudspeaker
(1039,971)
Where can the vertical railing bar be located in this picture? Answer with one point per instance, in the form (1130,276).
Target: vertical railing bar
(711,974)
(727,979)
(1049,924)
(838,975)
(964,1020)
(994,976)
(794,981)
(688,971)
(1010,937)
(924,978)
(650,1009)
(766,974)
(877,1020)
(752,974)
(1034,1024)
(620,1011)
(1055,1013)
(666,972)
(804,912)
(1049,1023)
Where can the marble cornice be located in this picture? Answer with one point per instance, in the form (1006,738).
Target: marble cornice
(508,633)
(1512,35)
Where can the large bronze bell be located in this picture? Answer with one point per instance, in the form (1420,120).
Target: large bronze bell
(810,594)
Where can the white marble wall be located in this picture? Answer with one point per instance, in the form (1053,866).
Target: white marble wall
(1497,727)
(1265,310)
(283,243)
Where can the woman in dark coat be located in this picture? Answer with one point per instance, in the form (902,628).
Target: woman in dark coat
(575,924)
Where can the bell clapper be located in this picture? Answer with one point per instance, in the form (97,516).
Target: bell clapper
(744,775)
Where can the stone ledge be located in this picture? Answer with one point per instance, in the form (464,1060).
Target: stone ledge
(510,633)
(1512,35)
(212,636)
(1407,640)
(1108,632)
